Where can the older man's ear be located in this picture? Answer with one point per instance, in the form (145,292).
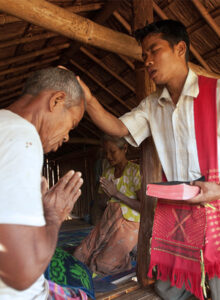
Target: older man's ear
(58,98)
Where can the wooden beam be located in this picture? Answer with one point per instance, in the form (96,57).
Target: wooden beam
(5,19)
(11,89)
(122,21)
(143,12)
(106,12)
(59,20)
(14,79)
(193,50)
(27,66)
(101,84)
(201,71)
(84,7)
(128,62)
(20,58)
(62,21)
(207,17)
(28,39)
(100,63)
(100,17)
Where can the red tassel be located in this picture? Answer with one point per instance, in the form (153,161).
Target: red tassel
(178,278)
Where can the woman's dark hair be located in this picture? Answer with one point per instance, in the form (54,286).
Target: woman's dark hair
(171,31)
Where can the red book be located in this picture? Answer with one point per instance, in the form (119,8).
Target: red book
(172,191)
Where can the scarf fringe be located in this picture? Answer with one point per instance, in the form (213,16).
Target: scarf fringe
(178,278)
(212,270)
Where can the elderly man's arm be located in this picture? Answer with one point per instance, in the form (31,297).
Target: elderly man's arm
(209,191)
(25,251)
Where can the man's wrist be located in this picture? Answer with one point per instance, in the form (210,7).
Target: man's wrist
(52,219)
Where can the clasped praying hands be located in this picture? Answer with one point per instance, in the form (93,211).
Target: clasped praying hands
(60,199)
(108,187)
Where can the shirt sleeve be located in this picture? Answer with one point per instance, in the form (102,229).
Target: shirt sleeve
(137,123)
(20,178)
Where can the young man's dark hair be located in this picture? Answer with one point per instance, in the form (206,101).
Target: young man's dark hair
(172,31)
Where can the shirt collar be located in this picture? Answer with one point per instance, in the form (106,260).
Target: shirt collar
(190,88)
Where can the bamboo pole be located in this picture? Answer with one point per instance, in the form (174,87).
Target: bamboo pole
(33,54)
(45,14)
(62,21)
(128,62)
(193,50)
(100,63)
(4,19)
(207,17)
(122,21)
(101,84)
(27,66)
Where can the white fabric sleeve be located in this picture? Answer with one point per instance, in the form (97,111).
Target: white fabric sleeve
(21,162)
(137,123)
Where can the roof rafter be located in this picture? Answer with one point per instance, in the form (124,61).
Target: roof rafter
(20,58)
(27,66)
(193,50)
(207,17)
(100,63)
(100,84)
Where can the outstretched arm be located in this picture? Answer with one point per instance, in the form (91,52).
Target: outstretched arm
(27,250)
(101,117)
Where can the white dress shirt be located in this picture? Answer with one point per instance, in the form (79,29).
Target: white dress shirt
(172,128)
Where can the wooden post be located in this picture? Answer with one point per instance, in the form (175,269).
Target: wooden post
(150,166)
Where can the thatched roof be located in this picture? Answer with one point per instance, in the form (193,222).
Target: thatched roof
(25,47)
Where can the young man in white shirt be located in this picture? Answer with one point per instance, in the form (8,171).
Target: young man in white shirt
(168,115)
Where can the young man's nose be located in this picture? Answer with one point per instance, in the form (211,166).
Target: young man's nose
(149,61)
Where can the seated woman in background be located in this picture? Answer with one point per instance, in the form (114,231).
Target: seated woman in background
(106,249)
